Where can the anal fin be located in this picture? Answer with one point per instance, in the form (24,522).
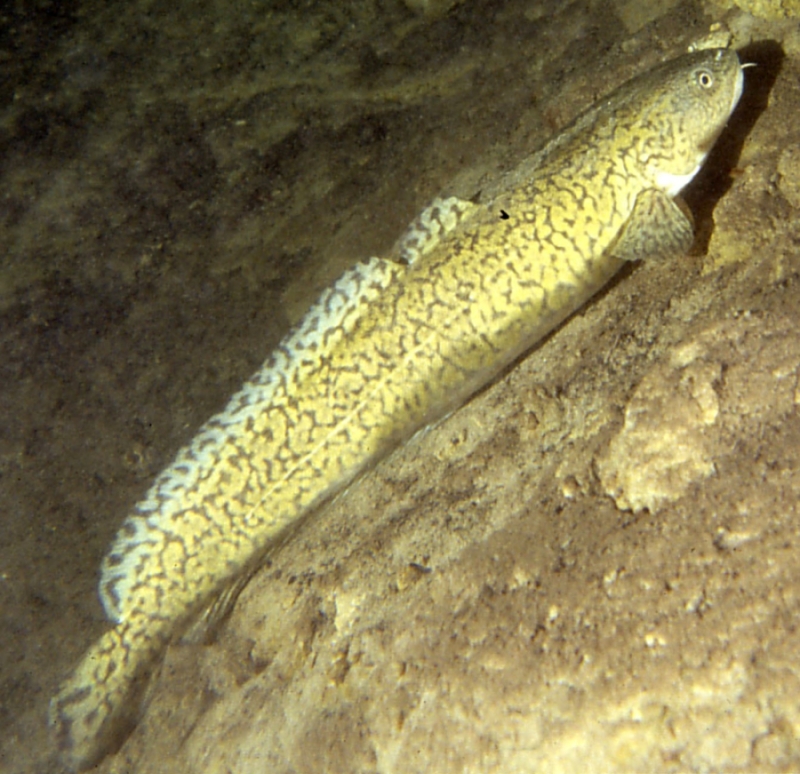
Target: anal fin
(205,627)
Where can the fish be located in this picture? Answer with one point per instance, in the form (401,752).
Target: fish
(393,346)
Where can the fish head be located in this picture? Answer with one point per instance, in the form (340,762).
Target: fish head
(677,111)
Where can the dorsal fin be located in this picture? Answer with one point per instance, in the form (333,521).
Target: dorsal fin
(434,223)
(322,327)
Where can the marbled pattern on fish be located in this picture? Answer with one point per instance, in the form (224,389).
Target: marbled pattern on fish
(394,345)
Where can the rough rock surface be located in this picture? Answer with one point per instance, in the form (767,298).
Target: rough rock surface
(596,560)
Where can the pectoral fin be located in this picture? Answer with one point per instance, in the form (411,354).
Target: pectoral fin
(658,228)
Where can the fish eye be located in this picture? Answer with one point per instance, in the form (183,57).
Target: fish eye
(704,79)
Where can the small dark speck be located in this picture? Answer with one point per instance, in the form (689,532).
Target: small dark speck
(504,215)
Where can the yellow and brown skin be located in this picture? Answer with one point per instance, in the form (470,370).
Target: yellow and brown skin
(393,346)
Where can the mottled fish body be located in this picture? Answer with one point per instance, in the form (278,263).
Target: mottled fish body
(394,345)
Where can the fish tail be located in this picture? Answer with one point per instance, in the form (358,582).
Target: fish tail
(100,701)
